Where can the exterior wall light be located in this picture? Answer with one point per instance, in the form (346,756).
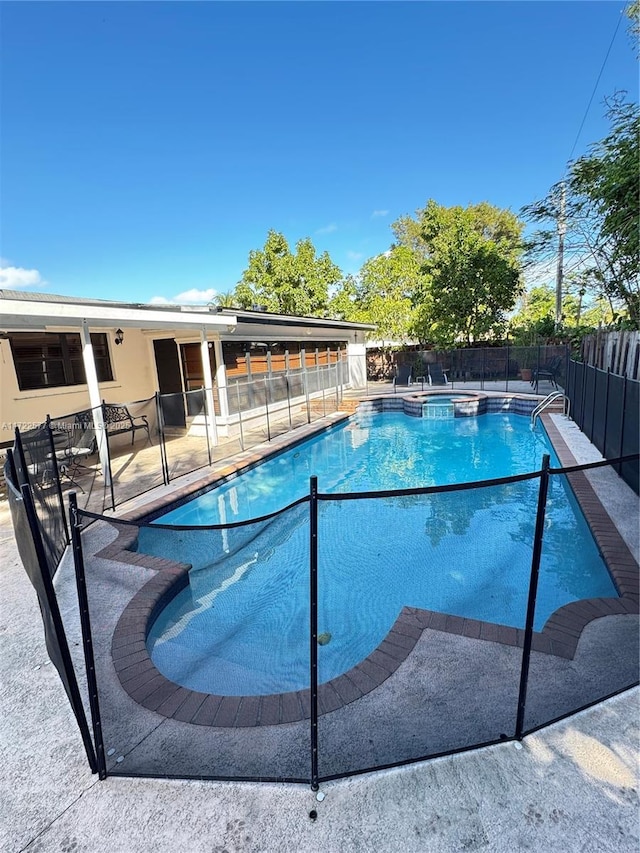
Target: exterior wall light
(119,337)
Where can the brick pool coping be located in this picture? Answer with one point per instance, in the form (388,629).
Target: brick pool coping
(149,688)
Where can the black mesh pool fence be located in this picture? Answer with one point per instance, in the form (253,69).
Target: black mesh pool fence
(37,467)
(136,461)
(171,703)
(209,655)
(421,663)
(188,432)
(38,569)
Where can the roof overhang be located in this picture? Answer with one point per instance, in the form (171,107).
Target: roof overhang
(23,315)
(42,312)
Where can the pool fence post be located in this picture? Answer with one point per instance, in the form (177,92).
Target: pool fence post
(239,414)
(533,592)
(266,407)
(288,387)
(87,641)
(56,477)
(506,370)
(313,626)
(606,413)
(305,382)
(163,449)
(323,375)
(593,403)
(622,422)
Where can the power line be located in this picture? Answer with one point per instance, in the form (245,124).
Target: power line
(595,88)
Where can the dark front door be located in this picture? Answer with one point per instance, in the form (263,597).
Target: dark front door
(170,382)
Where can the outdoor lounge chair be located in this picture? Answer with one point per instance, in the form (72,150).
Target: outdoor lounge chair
(436,375)
(549,371)
(404,375)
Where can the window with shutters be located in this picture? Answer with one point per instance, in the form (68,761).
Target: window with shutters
(49,360)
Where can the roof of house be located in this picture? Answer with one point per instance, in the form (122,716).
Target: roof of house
(54,309)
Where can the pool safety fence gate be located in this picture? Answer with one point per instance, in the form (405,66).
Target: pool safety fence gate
(204,654)
(122,450)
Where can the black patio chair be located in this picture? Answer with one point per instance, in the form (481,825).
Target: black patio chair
(436,375)
(74,443)
(404,375)
(550,370)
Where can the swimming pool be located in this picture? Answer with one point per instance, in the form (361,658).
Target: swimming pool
(374,452)
(241,625)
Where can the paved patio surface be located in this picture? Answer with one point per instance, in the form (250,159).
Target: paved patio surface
(571,787)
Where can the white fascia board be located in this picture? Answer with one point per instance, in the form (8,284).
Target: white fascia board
(16,314)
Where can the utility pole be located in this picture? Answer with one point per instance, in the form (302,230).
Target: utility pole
(562,227)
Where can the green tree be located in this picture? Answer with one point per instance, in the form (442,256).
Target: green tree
(602,214)
(470,271)
(382,293)
(287,282)
(535,318)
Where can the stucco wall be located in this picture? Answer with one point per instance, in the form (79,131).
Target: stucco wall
(134,379)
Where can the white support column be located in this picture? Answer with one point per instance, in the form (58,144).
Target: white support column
(221,379)
(357,355)
(212,428)
(95,400)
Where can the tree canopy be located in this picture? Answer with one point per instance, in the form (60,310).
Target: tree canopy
(287,282)
(602,213)
(470,270)
(382,294)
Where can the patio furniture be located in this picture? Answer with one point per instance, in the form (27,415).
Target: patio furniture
(118,419)
(73,444)
(436,375)
(404,375)
(549,371)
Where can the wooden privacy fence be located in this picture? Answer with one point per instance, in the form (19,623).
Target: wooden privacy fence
(618,352)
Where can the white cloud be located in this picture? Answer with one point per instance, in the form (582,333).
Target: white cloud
(195,295)
(13,278)
(328,229)
(355,256)
(379,213)
(187,297)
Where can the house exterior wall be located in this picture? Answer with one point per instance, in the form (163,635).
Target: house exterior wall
(134,378)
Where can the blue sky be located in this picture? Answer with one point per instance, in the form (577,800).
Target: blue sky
(147,147)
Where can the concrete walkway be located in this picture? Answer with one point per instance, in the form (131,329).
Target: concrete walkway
(570,787)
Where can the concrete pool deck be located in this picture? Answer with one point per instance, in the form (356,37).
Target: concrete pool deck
(571,787)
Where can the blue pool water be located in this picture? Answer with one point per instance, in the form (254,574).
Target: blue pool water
(376,452)
(241,627)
